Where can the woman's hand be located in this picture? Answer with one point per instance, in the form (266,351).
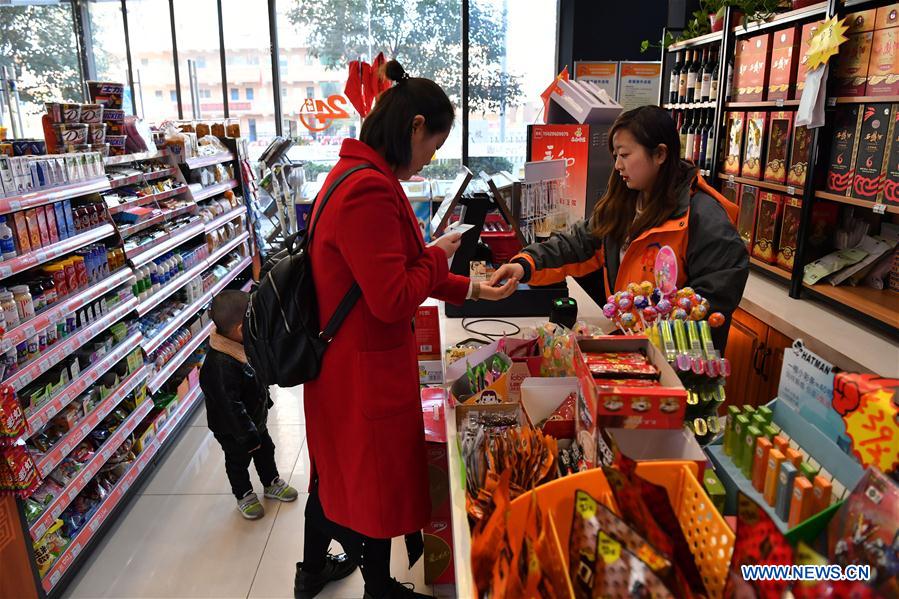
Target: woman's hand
(489,292)
(449,243)
(507,271)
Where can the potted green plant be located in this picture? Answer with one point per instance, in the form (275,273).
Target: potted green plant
(715,11)
(759,10)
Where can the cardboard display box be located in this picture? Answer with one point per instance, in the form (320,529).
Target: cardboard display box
(755,141)
(808,31)
(767,227)
(734,147)
(842,153)
(789,232)
(751,68)
(598,407)
(890,190)
(540,397)
(784,63)
(851,69)
(799,156)
(776,157)
(883,68)
(872,142)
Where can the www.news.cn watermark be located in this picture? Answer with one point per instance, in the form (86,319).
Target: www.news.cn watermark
(806,573)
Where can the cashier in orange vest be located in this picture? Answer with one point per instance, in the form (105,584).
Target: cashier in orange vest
(653,199)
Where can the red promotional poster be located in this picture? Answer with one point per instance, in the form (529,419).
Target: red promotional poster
(571,143)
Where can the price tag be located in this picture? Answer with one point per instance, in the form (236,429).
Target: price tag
(779,103)
(40,530)
(730,179)
(880,208)
(15,205)
(791,190)
(25,378)
(54,578)
(5,271)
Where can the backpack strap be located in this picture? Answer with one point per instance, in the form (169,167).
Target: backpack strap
(352,296)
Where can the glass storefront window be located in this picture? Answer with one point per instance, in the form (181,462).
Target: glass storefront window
(107,42)
(509,69)
(197,34)
(152,61)
(42,59)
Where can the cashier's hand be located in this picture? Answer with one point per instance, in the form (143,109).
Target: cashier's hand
(489,292)
(449,243)
(506,271)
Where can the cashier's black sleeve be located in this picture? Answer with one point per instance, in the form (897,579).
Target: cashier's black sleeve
(717,260)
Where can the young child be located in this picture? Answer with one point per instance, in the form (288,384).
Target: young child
(237,408)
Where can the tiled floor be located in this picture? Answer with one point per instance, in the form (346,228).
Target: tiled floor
(182,536)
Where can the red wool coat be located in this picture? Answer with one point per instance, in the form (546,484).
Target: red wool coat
(363,413)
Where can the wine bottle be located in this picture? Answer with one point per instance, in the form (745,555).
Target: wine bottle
(698,136)
(682,80)
(730,80)
(691,136)
(684,125)
(713,89)
(675,78)
(692,75)
(704,140)
(700,75)
(711,146)
(706,87)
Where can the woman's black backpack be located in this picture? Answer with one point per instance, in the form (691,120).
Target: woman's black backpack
(281,334)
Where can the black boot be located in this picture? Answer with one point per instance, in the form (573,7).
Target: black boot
(399,590)
(307,585)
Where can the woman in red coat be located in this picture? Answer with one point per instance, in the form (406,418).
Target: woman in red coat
(363,413)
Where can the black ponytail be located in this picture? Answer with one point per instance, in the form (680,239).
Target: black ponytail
(388,128)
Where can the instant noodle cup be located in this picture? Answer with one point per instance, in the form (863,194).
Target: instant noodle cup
(71,133)
(71,113)
(91,113)
(108,93)
(54,111)
(116,144)
(98,133)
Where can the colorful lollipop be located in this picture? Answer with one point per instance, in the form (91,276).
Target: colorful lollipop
(646,288)
(686,292)
(716,319)
(698,313)
(628,320)
(609,310)
(697,300)
(664,307)
(655,296)
(640,302)
(633,288)
(625,304)
(650,314)
(685,304)
(680,314)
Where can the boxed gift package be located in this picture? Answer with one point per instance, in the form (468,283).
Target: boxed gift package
(749,197)
(779,128)
(767,227)
(755,138)
(799,156)
(751,68)
(872,141)
(784,62)
(789,232)
(735,124)
(842,153)
(883,68)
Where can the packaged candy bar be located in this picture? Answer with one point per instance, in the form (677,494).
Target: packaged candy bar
(620,574)
(623,370)
(616,357)
(864,531)
(582,545)
(560,423)
(760,542)
(627,383)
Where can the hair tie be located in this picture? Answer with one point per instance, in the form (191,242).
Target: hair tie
(403,77)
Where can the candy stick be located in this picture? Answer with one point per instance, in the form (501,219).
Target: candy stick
(695,347)
(667,336)
(684,361)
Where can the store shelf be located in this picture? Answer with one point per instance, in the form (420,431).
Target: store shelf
(91,468)
(156,220)
(166,372)
(59,310)
(787,189)
(202,161)
(186,405)
(51,195)
(689,106)
(761,105)
(67,443)
(142,178)
(775,270)
(225,218)
(148,304)
(115,496)
(65,347)
(51,252)
(816,10)
(226,249)
(214,190)
(36,419)
(882,305)
(223,282)
(823,195)
(701,40)
(247,286)
(143,254)
(862,100)
(125,159)
(156,197)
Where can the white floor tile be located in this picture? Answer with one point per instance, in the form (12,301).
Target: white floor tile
(302,471)
(197,464)
(176,547)
(288,408)
(274,579)
(198,418)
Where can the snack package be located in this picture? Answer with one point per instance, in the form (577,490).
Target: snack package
(12,421)
(865,531)
(621,574)
(758,542)
(582,545)
(50,546)
(831,263)
(487,536)
(560,423)
(18,473)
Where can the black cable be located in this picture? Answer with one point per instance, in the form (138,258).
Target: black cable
(466,325)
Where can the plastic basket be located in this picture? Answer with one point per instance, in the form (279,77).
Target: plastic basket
(710,538)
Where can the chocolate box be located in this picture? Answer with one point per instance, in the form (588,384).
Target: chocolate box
(751,68)
(767,227)
(734,148)
(889,192)
(842,152)
(749,198)
(851,69)
(799,156)
(789,232)
(777,154)
(808,31)
(883,65)
(754,147)
(784,63)
(869,172)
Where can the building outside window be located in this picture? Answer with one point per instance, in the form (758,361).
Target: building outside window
(235,93)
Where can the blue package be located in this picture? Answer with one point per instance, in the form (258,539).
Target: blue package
(61,226)
(423,215)
(785,482)
(70,217)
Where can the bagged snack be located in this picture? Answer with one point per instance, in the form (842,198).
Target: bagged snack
(831,263)
(621,575)
(12,421)
(758,541)
(487,536)
(582,545)
(50,546)
(560,423)
(18,473)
